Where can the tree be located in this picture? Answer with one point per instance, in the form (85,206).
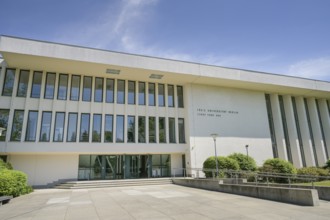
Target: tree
(244,162)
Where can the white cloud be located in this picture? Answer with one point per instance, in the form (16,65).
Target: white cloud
(313,68)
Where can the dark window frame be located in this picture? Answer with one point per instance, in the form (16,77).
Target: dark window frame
(4,82)
(33,84)
(27,126)
(105,130)
(100,128)
(12,126)
(19,82)
(53,94)
(79,85)
(91,89)
(55,126)
(102,89)
(81,139)
(50,126)
(66,86)
(68,127)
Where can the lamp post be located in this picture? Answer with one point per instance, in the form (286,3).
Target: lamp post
(247,151)
(214,136)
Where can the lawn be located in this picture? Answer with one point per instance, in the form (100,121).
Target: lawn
(322,183)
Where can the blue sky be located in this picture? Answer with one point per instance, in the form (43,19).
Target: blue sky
(289,37)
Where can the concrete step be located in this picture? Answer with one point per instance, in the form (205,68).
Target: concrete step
(112,183)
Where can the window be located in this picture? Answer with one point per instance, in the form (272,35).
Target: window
(182,138)
(59,126)
(162,130)
(50,85)
(4,115)
(108,128)
(131,92)
(180,96)
(151,94)
(170,96)
(142,129)
(31,126)
(130,129)
(97,126)
(62,87)
(142,93)
(45,126)
(36,84)
(84,128)
(23,83)
(16,131)
(171,126)
(161,95)
(8,82)
(75,88)
(121,91)
(120,129)
(72,127)
(152,130)
(87,89)
(98,96)
(110,86)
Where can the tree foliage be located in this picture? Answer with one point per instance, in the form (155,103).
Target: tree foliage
(224,163)
(244,162)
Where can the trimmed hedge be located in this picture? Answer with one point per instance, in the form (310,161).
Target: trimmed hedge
(224,163)
(244,162)
(277,165)
(313,171)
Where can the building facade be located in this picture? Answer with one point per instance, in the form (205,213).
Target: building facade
(69,112)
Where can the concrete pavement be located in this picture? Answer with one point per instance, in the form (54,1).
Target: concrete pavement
(151,202)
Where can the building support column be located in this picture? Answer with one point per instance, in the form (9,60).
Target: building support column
(325,118)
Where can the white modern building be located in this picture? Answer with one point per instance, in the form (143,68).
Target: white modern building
(69,112)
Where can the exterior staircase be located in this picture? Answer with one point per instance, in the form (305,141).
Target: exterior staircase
(113,183)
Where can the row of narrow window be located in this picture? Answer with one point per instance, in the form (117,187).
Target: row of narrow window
(143,123)
(113,89)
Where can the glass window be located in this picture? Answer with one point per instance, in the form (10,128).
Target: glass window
(62,87)
(59,126)
(72,127)
(182,138)
(171,126)
(131,92)
(170,96)
(142,93)
(152,130)
(151,94)
(98,96)
(75,88)
(8,84)
(142,129)
(87,89)
(45,126)
(110,90)
(161,95)
(50,85)
(180,96)
(31,126)
(120,129)
(4,115)
(36,84)
(130,129)
(23,83)
(16,131)
(162,130)
(121,91)
(108,128)
(97,126)
(84,128)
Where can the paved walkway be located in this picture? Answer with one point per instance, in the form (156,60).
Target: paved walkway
(152,202)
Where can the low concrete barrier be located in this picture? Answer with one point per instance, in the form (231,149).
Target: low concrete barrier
(306,197)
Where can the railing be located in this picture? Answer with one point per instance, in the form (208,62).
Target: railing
(252,177)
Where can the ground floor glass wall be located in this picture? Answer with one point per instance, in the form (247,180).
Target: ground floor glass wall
(103,167)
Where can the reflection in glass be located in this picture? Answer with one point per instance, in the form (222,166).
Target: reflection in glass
(62,87)
(59,126)
(142,93)
(16,131)
(87,89)
(171,126)
(45,126)
(131,92)
(97,126)
(31,126)
(121,91)
(84,128)
(72,127)
(161,95)
(75,88)
(152,130)
(162,131)
(110,90)
(98,96)
(120,129)
(108,128)
(36,84)
(151,94)
(8,82)
(142,129)
(180,96)
(182,138)
(170,96)
(130,129)
(23,83)
(50,85)
(4,115)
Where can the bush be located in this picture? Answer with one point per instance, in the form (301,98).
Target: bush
(313,171)
(244,162)
(5,165)
(327,164)
(224,163)
(280,166)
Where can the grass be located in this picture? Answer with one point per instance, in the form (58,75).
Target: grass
(321,183)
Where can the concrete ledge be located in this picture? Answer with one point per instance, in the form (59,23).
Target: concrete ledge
(305,197)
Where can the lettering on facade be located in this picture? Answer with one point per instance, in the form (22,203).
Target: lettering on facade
(218,113)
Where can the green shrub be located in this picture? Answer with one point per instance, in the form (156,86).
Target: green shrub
(5,165)
(224,163)
(314,171)
(13,182)
(279,166)
(244,162)
(327,164)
